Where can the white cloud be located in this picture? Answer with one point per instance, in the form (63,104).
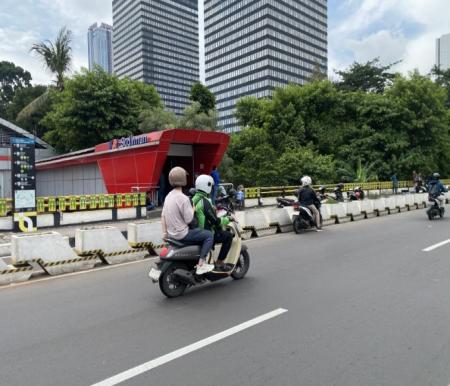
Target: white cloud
(390,29)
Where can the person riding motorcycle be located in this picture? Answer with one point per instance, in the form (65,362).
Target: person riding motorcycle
(436,188)
(322,193)
(338,192)
(177,215)
(207,219)
(307,197)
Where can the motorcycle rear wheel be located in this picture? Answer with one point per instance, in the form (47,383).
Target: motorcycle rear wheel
(297,225)
(169,285)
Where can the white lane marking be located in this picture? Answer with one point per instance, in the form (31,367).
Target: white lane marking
(435,246)
(143,368)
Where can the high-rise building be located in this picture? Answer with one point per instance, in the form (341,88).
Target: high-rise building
(443,52)
(157,41)
(253,46)
(100,47)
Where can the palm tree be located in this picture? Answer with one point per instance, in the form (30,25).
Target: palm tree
(57,56)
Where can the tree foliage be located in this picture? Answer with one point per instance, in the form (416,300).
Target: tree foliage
(201,94)
(12,79)
(156,119)
(369,77)
(360,133)
(194,118)
(96,107)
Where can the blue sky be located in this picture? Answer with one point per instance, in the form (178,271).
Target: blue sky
(358,30)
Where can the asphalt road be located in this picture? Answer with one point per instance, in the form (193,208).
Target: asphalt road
(366,306)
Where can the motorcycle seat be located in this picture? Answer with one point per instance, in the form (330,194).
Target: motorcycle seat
(177,243)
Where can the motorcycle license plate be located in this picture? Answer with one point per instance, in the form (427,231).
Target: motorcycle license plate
(154,274)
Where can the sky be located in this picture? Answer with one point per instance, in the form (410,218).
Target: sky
(359,30)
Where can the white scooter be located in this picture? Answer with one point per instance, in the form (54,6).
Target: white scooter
(175,271)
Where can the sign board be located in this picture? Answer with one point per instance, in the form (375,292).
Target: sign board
(23,172)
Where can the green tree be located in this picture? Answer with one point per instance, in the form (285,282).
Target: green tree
(202,95)
(442,78)
(368,77)
(12,78)
(250,111)
(22,98)
(57,55)
(96,107)
(156,119)
(194,118)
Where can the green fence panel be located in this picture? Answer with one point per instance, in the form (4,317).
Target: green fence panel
(51,204)
(135,199)
(142,199)
(110,200)
(73,202)
(101,201)
(83,203)
(62,204)
(3,208)
(119,200)
(40,205)
(128,199)
(93,202)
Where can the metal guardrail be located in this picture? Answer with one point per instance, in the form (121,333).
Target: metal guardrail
(281,191)
(80,203)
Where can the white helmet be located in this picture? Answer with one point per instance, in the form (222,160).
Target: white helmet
(204,183)
(306,180)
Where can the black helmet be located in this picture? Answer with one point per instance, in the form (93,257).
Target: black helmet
(340,185)
(322,188)
(436,176)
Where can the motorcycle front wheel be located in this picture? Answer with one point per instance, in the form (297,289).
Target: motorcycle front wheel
(242,266)
(168,283)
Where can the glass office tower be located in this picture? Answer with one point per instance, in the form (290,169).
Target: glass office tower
(157,41)
(253,46)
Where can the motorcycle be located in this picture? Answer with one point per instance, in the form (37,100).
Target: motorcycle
(176,269)
(305,218)
(434,210)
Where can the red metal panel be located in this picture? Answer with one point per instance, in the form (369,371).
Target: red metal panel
(140,166)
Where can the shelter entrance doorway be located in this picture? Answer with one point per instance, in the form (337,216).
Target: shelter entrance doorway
(178,155)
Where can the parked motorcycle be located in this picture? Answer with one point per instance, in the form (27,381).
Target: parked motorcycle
(434,210)
(304,219)
(176,269)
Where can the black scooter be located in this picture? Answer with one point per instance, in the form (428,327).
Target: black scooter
(305,219)
(434,210)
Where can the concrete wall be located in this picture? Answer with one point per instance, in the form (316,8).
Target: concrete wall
(73,180)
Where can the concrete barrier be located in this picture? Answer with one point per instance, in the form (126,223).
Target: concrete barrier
(280,218)
(51,251)
(5,249)
(146,235)
(354,210)
(409,201)
(379,206)
(108,244)
(245,233)
(10,274)
(367,209)
(421,199)
(72,218)
(390,205)
(400,203)
(325,210)
(339,213)
(257,221)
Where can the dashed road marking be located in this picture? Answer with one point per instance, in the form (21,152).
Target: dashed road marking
(435,246)
(145,367)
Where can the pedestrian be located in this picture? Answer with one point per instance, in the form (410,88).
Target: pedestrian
(216,177)
(394,180)
(415,181)
(240,196)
